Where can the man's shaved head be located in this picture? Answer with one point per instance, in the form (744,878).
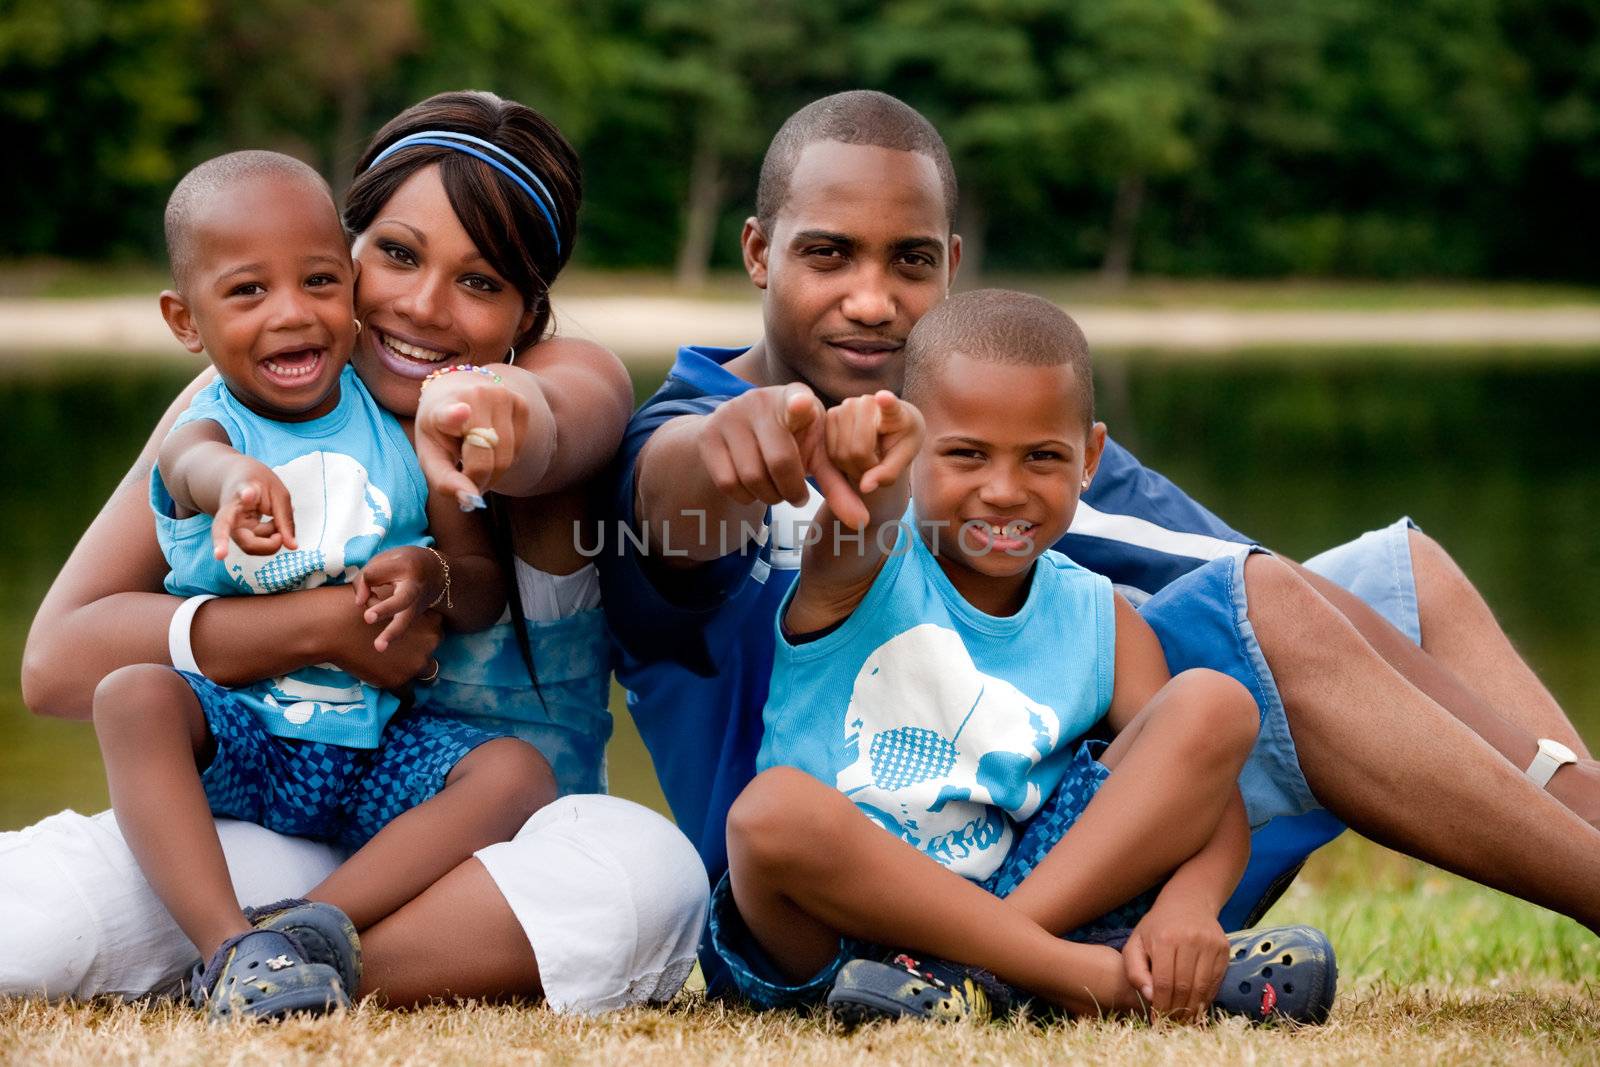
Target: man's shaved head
(860,117)
(997,326)
(215,179)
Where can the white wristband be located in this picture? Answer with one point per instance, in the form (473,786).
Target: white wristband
(178,643)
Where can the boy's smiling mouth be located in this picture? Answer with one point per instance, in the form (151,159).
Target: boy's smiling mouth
(293,367)
(1008,536)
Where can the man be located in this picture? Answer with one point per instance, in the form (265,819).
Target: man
(1406,715)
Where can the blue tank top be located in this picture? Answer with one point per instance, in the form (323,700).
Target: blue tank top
(357,491)
(946,725)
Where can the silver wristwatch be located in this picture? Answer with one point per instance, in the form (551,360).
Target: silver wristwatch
(1553,756)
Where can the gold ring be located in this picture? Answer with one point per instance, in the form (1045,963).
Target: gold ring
(482,436)
(431,675)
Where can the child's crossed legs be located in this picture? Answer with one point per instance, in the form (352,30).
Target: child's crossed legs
(154,736)
(807,867)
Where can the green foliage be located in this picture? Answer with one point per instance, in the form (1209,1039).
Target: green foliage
(93,94)
(1235,137)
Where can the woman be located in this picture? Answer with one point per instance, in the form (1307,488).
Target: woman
(463,211)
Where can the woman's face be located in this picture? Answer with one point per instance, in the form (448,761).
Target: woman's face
(425,295)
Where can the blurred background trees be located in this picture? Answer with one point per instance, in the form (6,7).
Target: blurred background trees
(1442,138)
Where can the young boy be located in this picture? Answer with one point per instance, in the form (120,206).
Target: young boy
(285,474)
(932,673)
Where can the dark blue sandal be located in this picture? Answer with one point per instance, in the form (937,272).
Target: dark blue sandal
(261,974)
(323,933)
(919,988)
(1282,972)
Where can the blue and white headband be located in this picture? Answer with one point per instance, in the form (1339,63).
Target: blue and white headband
(500,160)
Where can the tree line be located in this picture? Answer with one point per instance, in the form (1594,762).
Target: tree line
(1450,138)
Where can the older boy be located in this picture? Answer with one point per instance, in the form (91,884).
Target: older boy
(852,244)
(936,672)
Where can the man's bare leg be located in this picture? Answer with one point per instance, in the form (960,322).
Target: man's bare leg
(1460,632)
(1468,666)
(806,866)
(1389,760)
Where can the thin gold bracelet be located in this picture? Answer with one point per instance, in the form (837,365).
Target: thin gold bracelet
(444,594)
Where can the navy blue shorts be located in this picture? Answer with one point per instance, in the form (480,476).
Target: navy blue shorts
(757,980)
(316,790)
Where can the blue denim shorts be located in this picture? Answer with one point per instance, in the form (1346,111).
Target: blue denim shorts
(757,980)
(1201,620)
(321,791)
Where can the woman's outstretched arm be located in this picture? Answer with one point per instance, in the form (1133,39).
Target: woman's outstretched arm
(106,609)
(558,414)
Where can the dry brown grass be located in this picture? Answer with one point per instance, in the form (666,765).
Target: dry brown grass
(1549,1024)
(1432,970)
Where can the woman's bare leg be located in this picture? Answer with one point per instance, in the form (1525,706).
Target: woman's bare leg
(459,938)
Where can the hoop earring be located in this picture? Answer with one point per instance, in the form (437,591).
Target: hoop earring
(358,326)
(511,354)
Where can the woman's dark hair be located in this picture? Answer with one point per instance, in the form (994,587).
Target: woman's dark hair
(500,217)
(503,221)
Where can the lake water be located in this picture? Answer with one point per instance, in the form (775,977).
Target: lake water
(1492,454)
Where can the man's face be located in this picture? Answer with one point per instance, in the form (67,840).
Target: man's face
(860,249)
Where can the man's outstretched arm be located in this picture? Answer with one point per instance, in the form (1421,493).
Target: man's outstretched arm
(703,482)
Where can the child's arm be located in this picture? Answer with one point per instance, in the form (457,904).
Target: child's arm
(205,474)
(871,440)
(1179,945)
(459,577)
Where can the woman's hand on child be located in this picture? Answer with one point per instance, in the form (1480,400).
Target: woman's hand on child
(468,431)
(405,658)
(255,512)
(873,438)
(396,585)
(1176,958)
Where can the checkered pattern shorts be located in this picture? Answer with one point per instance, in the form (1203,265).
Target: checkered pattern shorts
(316,790)
(1085,774)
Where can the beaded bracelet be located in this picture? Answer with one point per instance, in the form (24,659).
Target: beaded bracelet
(484,371)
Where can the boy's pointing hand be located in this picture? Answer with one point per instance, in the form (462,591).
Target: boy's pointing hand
(761,446)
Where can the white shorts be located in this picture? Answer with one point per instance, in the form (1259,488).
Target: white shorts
(611,896)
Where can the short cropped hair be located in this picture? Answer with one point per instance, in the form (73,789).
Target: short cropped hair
(860,116)
(997,326)
(214,178)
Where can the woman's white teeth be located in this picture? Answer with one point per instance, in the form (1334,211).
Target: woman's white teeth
(413,351)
